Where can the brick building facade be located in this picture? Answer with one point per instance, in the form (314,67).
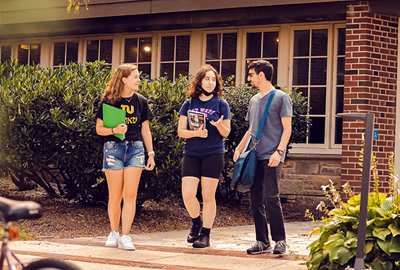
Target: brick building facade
(350,64)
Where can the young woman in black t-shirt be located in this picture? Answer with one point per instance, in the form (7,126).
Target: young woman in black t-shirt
(124,159)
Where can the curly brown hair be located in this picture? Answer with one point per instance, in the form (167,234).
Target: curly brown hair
(195,88)
(115,86)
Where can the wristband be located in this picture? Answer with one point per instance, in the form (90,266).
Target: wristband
(112,130)
(151,153)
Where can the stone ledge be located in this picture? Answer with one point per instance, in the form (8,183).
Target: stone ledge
(313,156)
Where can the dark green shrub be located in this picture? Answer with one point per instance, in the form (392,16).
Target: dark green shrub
(48,136)
(47,126)
(165,99)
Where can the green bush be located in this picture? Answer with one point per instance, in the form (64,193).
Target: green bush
(47,125)
(48,135)
(165,99)
(337,244)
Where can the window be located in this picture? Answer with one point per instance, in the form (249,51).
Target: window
(262,45)
(29,54)
(339,83)
(310,63)
(64,53)
(221,53)
(99,50)
(174,56)
(138,51)
(5,51)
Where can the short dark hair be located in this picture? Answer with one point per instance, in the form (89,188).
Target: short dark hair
(264,66)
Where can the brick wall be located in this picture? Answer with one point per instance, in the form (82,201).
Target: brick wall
(370,86)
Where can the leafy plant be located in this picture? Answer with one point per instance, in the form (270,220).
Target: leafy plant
(47,133)
(337,244)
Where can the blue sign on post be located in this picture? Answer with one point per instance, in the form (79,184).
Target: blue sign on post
(376,134)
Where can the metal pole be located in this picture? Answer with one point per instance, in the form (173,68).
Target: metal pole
(366,173)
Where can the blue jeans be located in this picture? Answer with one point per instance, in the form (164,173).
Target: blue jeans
(264,197)
(123,154)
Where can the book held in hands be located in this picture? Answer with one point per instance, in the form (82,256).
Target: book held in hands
(112,117)
(196,119)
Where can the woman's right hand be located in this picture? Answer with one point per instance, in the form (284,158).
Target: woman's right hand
(121,129)
(201,132)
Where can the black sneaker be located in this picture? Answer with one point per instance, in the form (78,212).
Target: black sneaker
(259,247)
(194,232)
(280,247)
(202,242)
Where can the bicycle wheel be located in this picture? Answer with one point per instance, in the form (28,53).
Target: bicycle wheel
(51,264)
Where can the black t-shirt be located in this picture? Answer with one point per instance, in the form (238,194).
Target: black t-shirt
(137,111)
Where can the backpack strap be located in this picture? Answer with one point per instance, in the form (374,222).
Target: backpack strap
(264,118)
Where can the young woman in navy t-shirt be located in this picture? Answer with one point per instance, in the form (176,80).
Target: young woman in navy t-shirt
(203,157)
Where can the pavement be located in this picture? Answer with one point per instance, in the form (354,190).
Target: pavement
(170,251)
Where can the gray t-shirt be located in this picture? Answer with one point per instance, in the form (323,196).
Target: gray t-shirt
(271,134)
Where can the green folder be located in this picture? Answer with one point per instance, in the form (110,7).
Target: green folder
(112,117)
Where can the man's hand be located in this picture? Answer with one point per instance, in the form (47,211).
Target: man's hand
(274,160)
(236,155)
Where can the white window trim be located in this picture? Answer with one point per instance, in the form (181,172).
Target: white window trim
(28,42)
(328,113)
(100,38)
(7,44)
(170,34)
(243,76)
(153,53)
(334,145)
(65,40)
(223,31)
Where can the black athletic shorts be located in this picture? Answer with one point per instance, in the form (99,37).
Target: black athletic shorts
(207,165)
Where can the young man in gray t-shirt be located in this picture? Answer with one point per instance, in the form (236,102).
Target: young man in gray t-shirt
(271,150)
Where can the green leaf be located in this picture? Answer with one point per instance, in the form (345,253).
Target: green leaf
(381,233)
(384,245)
(395,245)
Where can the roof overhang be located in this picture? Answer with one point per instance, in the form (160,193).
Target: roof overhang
(239,16)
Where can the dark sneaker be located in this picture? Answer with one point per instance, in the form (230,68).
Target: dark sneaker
(259,247)
(202,242)
(194,233)
(280,247)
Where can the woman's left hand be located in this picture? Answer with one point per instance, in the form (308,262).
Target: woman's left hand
(150,163)
(218,123)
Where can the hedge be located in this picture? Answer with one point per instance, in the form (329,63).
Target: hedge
(48,136)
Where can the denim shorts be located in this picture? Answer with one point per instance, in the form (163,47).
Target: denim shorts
(124,154)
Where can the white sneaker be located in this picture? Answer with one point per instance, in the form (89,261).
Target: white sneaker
(125,242)
(112,240)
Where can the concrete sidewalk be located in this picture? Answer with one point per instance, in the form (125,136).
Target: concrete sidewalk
(169,250)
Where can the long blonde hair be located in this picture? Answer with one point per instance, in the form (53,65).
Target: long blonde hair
(115,86)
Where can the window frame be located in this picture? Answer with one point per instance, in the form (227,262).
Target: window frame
(65,40)
(335,85)
(154,52)
(159,62)
(244,48)
(28,42)
(7,44)
(238,31)
(328,147)
(99,38)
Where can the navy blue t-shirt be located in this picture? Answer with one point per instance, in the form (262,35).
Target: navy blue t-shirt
(213,109)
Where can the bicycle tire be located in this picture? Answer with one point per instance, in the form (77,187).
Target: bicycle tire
(50,264)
